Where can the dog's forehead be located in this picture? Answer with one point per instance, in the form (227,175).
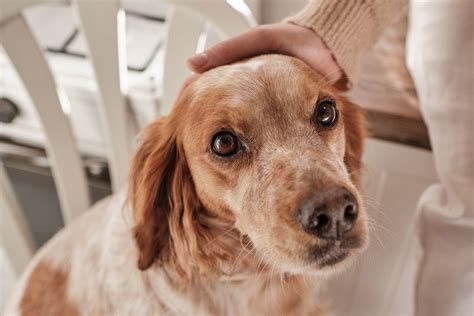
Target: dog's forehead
(272,69)
(256,79)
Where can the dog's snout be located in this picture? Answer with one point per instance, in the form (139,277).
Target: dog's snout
(328,214)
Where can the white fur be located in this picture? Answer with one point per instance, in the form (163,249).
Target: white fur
(98,253)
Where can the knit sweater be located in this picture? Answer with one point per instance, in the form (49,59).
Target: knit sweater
(349,27)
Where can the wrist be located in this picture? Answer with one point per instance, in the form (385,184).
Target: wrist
(306,44)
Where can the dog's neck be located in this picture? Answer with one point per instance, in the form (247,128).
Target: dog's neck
(246,292)
(244,282)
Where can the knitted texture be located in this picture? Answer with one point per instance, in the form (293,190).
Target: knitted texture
(349,27)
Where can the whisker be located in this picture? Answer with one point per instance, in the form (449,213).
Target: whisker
(217,237)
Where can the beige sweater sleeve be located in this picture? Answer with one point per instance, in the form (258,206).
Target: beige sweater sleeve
(349,27)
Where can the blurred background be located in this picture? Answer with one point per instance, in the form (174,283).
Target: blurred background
(79,79)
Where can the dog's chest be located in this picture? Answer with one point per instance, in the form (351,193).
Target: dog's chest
(256,296)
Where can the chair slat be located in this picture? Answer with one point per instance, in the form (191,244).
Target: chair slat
(183,31)
(15,234)
(222,15)
(11,8)
(227,21)
(28,60)
(185,25)
(103,23)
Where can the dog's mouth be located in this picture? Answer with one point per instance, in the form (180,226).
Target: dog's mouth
(334,251)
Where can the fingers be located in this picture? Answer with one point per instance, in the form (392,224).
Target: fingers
(282,38)
(254,42)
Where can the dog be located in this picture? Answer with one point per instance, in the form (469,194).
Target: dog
(240,202)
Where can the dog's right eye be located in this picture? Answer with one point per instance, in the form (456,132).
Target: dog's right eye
(225,144)
(326,112)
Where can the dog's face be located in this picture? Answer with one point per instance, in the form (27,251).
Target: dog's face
(267,146)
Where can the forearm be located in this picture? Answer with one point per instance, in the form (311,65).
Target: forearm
(349,27)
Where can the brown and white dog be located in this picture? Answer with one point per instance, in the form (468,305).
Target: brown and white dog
(240,202)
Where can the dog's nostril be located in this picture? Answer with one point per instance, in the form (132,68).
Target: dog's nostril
(322,221)
(348,217)
(350,213)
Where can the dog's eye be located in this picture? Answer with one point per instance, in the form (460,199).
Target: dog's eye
(225,144)
(326,112)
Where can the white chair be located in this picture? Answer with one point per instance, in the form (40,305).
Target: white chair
(103,26)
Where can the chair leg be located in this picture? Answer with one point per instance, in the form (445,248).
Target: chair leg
(15,235)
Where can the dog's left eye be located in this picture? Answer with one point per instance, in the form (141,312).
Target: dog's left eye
(326,112)
(225,144)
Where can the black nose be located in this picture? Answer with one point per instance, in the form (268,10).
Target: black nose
(328,214)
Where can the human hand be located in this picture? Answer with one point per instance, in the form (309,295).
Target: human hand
(282,38)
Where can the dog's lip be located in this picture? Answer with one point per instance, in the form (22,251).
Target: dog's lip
(333,258)
(349,242)
(334,251)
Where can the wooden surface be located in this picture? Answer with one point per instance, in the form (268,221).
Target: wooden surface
(387,93)
(398,129)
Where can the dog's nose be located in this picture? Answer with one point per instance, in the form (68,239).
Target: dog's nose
(329,214)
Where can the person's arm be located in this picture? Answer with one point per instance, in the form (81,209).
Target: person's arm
(328,35)
(349,28)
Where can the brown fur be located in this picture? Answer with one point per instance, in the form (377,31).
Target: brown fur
(46,293)
(171,209)
(202,234)
(170,219)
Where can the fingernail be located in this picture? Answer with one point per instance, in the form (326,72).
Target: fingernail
(198,60)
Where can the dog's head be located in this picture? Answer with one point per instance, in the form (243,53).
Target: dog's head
(264,146)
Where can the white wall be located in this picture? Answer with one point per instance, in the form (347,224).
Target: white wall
(382,281)
(276,10)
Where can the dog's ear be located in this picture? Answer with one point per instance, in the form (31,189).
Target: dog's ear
(355,133)
(170,221)
(149,182)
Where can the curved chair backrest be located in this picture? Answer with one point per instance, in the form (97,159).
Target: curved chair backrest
(104,29)
(49,100)
(187,22)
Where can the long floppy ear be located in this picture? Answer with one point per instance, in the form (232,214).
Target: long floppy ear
(355,133)
(151,177)
(170,221)
(149,182)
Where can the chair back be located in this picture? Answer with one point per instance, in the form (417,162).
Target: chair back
(188,25)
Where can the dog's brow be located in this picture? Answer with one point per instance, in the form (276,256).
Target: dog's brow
(235,101)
